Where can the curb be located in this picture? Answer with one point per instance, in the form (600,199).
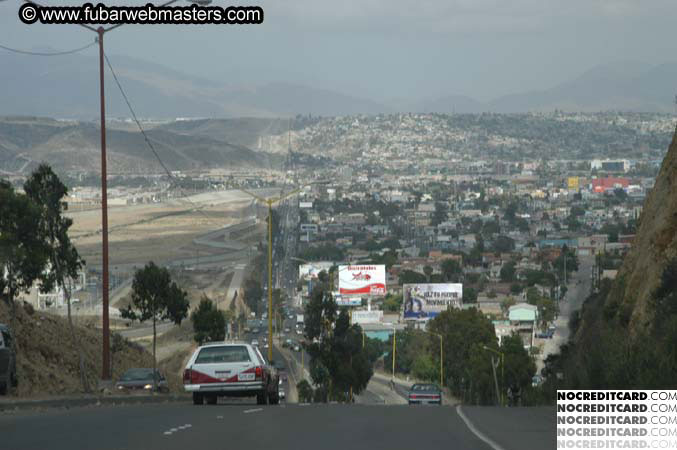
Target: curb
(78,402)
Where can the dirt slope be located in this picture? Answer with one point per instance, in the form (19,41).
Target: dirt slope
(47,362)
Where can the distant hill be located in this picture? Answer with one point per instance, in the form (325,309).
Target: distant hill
(621,86)
(67,87)
(25,142)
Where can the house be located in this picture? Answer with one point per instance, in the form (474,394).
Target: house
(523,317)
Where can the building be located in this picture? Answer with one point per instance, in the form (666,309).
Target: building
(610,165)
(523,317)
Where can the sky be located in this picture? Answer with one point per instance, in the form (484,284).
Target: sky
(389,50)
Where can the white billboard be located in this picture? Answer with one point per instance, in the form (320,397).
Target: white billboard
(362,280)
(348,300)
(311,270)
(426,300)
(363,317)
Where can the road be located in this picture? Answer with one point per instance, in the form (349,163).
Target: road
(578,289)
(245,425)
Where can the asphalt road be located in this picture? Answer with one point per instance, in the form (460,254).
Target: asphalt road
(237,424)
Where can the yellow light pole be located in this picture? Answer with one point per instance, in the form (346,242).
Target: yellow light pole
(270,202)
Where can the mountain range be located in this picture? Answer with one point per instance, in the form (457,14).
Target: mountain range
(67,87)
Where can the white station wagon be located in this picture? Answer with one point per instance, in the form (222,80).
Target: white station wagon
(230,370)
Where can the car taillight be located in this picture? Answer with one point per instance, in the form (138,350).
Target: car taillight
(186,376)
(259,372)
(413,396)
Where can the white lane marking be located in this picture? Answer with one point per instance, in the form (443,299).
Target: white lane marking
(174,430)
(483,437)
(247,411)
(219,417)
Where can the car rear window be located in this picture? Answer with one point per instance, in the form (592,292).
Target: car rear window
(225,354)
(424,387)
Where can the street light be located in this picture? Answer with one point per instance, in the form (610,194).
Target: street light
(270,202)
(100,31)
(501,396)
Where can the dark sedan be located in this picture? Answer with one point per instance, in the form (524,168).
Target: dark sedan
(141,380)
(425,394)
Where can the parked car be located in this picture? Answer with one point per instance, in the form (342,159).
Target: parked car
(255,342)
(230,370)
(141,379)
(8,378)
(425,394)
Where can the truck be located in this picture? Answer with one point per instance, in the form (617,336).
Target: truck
(299,320)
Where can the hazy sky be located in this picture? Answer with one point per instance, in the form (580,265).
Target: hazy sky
(390,49)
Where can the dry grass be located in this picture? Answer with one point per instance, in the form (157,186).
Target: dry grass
(47,360)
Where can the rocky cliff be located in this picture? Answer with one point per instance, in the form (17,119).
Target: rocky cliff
(655,245)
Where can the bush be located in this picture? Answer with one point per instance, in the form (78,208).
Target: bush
(305,391)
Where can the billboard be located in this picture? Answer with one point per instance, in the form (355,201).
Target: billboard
(426,300)
(573,183)
(312,269)
(347,300)
(362,280)
(363,317)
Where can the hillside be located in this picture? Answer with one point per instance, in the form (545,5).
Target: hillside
(67,87)
(626,336)
(47,362)
(70,145)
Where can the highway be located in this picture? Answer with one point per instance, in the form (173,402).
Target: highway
(244,425)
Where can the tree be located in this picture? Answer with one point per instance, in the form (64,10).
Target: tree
(441,213)
(392,303)
(411,277)
(451,270)
(503,244)
(23,250)
(155,297)
(428,271)
(508,272)
(209,324)
(339,363)
(490,228)
(469,295)
(519,366)
(305,391)
(47,191)
(253,293)
(466,364)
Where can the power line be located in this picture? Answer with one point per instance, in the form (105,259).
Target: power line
(138,123)
(26,52)
(147,139)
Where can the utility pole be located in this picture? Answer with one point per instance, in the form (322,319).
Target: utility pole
(394,348)
(493,367)
(105,366)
